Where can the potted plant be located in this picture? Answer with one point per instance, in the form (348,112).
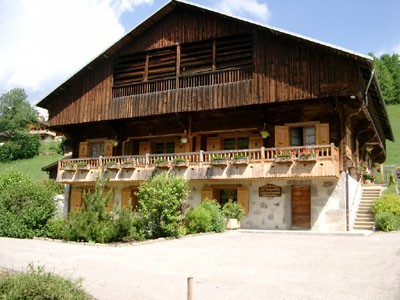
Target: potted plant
(69,166)
(161,162)
(234,213)
(283,156)
(179,162)
(240,159)
(307,155)
(82,165)
(219,160)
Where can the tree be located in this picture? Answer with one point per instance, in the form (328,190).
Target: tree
(388,72)
(15,113)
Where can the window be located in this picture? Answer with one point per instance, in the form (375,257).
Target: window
(97,149)
(165,147)
(302,136)
(224,195)
(236,143)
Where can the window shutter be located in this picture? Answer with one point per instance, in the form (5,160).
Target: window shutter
(281,136)
(75,200)
(323,134)
(144,148)
(111,202)
(213,143)
(243,197)
(83,149)
(126,198)
(207,192)
(255,142)
(108,147)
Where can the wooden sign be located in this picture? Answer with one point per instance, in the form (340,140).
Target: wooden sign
(270,190)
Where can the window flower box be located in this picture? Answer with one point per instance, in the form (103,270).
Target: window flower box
(68,167)
(283,157)
(128,165)
(161,163)
(219,160)
(82,165)
(179,162)
(240,159)
(112,165)
(307,155)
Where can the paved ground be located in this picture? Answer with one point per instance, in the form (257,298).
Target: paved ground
(232,265)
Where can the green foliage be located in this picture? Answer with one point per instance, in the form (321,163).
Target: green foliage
(55,228)
(387,203)
(25,206)
(392,148)
(21,145)
(233,210)
(387,221)
(160,202)
(15,113)
(205,217)
(40,285)
(388,72)
(50,148)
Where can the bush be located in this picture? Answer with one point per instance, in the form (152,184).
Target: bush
(22,145)
(233,210)
(160,203)
(198,220)
(55,228)
(205,217)
(37,284)
(387,221)
(25,206)
(387,203)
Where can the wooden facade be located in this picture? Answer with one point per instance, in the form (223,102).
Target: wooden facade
(190,90)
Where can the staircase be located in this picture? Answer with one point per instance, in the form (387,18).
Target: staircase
(365,218)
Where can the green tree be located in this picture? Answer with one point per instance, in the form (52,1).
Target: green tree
(160,205)
(15,113)
(388,72)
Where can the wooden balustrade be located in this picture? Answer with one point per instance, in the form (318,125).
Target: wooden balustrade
(183,81)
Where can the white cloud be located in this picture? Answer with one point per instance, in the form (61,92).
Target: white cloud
(251,9)
(396,48)
(43,42)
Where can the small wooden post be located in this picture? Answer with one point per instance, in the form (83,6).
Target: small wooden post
(190,288)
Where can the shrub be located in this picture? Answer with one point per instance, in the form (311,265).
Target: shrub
(38,284)
(25,206)
(21,146)
(217,219)
(387,221)
(198,220)
(387,203)
(55,228)
(233,210)
(160,201)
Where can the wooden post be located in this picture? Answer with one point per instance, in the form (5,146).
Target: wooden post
(190,288)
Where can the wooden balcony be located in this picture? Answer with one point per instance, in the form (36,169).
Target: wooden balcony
(262,163)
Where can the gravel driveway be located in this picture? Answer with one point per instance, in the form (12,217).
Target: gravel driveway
(231,265)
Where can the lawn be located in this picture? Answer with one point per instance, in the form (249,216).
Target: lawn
(33,167)
(393,149)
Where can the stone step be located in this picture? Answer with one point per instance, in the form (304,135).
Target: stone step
(363,227)
(364,223)
(365,219)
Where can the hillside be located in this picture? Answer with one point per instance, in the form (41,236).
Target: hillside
(393,149)
(33,167)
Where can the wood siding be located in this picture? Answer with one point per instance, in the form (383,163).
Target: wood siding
(284,69)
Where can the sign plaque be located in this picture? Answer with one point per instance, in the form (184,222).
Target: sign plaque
(270,190)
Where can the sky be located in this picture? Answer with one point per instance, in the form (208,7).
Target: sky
(45,42)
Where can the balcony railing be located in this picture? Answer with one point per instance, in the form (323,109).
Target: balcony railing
(290,162)
(183,81)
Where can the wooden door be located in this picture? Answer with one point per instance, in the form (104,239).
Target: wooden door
(243,197)
(301,207)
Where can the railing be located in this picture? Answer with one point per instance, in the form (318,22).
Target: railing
(203,157)
(183,81)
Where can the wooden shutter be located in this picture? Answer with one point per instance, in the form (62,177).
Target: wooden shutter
(322,134)
(213,143)
(126,198)
(111,202)
(180,148)
(243,197)
(108,147)
(207,192)
(144,148)
(255,142)
(75,199)
(83,149)
(281,136)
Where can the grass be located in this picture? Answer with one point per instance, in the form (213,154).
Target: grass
(393,149)
(33,167)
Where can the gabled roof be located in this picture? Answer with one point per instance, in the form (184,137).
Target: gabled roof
(171,6)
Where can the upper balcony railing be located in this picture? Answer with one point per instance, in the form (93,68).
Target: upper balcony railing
(183,81)
(290,162)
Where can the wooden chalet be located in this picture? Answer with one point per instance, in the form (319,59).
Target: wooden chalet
(276,121)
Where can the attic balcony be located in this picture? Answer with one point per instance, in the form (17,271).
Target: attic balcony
(321,161)
(235,76)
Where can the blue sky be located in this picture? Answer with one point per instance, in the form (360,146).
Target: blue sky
(44,42)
